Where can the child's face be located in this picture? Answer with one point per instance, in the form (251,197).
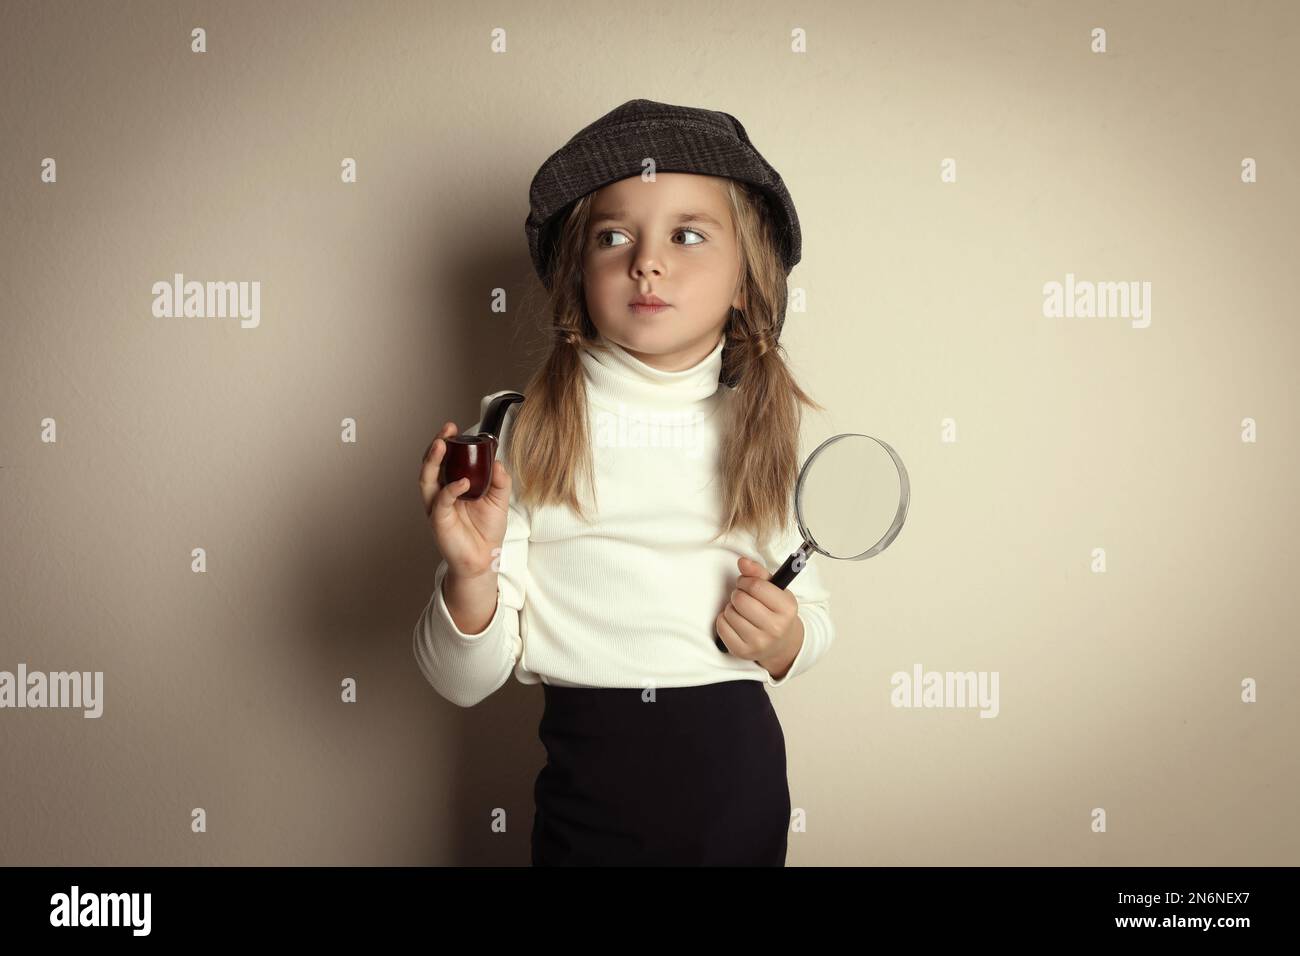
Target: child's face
(637,243)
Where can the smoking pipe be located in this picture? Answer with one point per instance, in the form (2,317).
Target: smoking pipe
(471,456)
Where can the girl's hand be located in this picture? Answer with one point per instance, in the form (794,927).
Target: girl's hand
(761,621)
(469,533)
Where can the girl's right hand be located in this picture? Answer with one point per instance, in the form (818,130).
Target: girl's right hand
(469,533)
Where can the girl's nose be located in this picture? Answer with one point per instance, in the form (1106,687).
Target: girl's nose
(646,266)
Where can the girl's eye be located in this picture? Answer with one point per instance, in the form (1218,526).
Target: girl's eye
(612,232)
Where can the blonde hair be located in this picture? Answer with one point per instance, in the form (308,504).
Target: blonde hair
(550,443)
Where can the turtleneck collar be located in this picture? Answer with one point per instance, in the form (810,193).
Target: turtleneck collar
(615,377)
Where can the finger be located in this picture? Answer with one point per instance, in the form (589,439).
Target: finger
(730,638)
(752,609)
(428,484)
(499,478)
(439,444)
(444,503)
(747,632)
(431,464)
(499,490)
(763,591)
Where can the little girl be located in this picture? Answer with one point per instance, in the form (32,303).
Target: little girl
(664,240)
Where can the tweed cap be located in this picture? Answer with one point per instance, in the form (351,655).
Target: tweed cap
(679,139)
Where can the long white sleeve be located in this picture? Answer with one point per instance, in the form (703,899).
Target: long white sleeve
(467,668)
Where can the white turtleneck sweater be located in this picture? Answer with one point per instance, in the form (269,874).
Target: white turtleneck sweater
(629,600)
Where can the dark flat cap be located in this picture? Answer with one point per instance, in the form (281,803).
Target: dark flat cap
(679,139)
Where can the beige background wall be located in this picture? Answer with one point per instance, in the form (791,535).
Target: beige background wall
(1118,690)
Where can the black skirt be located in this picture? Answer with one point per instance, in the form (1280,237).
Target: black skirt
(694,777)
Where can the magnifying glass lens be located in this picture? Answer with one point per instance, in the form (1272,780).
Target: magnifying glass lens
(850,495)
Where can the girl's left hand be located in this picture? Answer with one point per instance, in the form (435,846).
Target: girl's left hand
(761,619)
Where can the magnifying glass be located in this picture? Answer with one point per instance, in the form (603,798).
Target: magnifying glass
(850,502)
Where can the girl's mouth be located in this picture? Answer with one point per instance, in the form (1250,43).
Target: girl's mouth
(647,309)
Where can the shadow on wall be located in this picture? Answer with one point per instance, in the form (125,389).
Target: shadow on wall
(424,775)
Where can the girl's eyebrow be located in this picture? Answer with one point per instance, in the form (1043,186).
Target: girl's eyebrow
(617,214)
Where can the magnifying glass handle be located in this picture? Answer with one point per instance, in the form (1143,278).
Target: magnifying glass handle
(793,565)
(784,575)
